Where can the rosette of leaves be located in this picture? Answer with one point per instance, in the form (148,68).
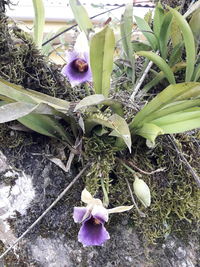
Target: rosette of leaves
(168,35)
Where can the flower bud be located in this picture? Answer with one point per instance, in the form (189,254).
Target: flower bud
(142,192)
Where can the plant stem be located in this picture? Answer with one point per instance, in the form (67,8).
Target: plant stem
(105,193)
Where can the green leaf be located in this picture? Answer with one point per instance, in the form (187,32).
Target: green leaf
(195,26)
(147,32)
(126,27)
(20,94)
(164,35)
(197,73)
(149,131)
(140,46)
(178,106)
(114,122)
(159,77)
(13,111)
(158,19)
(90,101)
(45,125)
(160,63)
(188,41)
(100,99)
(101,59)
(182,126)
(176,36)
(39,21)
(171,94)
(174,117)
(121,129)
(176,53)
(81,16)
(176,109)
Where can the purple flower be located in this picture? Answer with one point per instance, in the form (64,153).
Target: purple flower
(93,217)
(78,69)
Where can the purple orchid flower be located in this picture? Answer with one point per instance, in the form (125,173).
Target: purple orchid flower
(78,69)
(93,217)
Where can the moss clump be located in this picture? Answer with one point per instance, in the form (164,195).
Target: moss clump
(100,152)
(175,206)
(22,63)
(10,139)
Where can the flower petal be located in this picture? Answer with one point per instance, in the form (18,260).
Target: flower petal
(79,213)
(81,44)
(100,213)
(119,209)
(92,234)
(71,56)
(86,197)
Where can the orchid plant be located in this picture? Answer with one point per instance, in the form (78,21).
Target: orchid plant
(176,109)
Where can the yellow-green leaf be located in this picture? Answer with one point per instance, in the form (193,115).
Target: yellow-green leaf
(81,16)
(188,41)
(101,59)
(160,63)
(39,21)
(20,94)
(126,27)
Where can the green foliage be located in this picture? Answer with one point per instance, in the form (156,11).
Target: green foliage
(101,59)
(161,64)
(126,26)
(29,102)
(147,31)
(166,38)
(81,16)
(188,42)
(175,109)
(39,21)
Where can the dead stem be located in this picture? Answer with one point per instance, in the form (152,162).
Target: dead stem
(144,172)
(47,210)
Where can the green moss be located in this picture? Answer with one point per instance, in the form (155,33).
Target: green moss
(99,151)
(175,206)
(10,139)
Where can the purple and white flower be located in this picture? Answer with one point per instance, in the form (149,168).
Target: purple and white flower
(78,69)
(93,217)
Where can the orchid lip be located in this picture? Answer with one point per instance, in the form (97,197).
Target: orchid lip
(77,69)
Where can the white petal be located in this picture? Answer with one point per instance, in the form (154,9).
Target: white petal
(86,197)
(100,213)
(120,209)
(81,46)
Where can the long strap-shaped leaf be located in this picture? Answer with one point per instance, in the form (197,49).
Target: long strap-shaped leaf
(126,27)
(43,124)
(160,63)
(39,21)
(20,94)
(172,93)
(81,16)
(101,59)
(189,43)
(147,31)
